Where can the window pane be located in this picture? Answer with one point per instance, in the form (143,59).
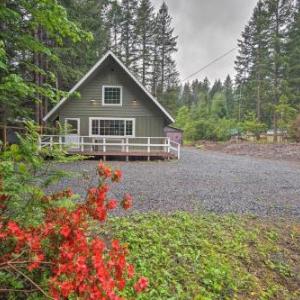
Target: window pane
(112,95)
(108,127)
(129,127)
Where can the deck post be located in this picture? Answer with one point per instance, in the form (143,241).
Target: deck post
(104,148)
(178,153)
(169,148)
(148,147)
(60,142)
(104,144)
(51,142)
(127,148)
(81,144)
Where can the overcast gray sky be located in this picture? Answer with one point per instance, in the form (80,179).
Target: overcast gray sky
(206,30)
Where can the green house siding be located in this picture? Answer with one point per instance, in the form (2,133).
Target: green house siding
(149,120)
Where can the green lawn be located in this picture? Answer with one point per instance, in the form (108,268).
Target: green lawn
(213,257)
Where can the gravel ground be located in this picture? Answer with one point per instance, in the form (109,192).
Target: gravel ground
(203,180)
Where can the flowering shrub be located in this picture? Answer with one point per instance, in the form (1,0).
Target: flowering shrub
(77,264)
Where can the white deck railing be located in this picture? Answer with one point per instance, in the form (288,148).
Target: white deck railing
(86,144)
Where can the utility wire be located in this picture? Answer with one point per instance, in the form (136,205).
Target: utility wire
(212,62)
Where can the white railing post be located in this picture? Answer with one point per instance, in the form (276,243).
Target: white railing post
(81,144)
(169,145)
(127,142)
(60,142)
(178,149)
(104,144)
(148,145)
(51,142)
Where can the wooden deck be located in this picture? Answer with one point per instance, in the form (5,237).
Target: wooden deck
(153,154)
(150,147)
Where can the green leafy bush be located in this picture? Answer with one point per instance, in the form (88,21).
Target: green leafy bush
(47,249)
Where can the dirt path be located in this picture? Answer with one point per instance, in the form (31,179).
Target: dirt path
(288,152)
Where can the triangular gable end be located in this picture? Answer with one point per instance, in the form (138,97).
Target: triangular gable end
(92,70)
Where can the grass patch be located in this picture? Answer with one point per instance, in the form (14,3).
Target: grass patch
(213,257)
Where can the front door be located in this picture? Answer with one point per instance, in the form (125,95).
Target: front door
(72,138)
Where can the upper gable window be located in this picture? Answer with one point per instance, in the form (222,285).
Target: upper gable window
(112,95)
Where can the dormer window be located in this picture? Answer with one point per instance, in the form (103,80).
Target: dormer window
(112,95)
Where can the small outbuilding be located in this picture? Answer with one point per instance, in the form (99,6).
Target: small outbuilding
(175,134)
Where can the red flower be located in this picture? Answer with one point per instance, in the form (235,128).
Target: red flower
(36,262)
(116,176)
(103,170)
(115,244)
(141,284)
(112,204)
(65,231)
(81,265)
(66,288)
(101,214)
(127,201)
(130,271)
(121,284)
(13,228)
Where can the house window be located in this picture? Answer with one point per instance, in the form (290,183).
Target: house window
(112,95)
(112,127)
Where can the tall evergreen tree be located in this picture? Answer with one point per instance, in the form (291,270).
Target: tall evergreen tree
(77,60)
(29,41)
(293,59)
(144,33)
(112,16)
(166,46)
(260,61)
(229,95)
(128,37)
(280,14)
(186,97)
(217,87)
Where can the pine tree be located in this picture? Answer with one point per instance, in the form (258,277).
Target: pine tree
(77,60)
(260,64)
(186,97)
(166,46)
(26,80)
(260,61)
(280,14)
(293,59)
(128,38)
(217,87)
(112,16)
(229,95)
(243,61)
(144,33)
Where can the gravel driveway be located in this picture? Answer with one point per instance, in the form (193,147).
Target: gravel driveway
(206,180)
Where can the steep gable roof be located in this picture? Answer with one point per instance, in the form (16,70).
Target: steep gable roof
(92,70)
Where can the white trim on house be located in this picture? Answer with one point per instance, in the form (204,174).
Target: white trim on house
(103,95)
(112,118)
(91,71)
(78,124)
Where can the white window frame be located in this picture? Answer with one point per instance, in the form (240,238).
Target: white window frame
(112,86)
(78,122)
(112,119)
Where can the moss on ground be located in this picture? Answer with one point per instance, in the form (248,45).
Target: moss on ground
(201,257)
